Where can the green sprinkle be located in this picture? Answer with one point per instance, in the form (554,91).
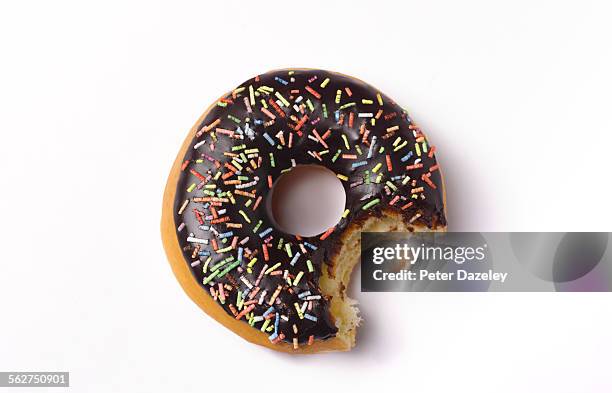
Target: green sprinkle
(336,155)
(257,226)
(229,268)
(210,277)
(310,106)
(222,250)
(310,267)
(370,204)
(288,249)
(234,119)
(205,268)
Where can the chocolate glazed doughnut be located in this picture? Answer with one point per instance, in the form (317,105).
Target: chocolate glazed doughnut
(272,288)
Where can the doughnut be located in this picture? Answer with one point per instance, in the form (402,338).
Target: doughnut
(275,289)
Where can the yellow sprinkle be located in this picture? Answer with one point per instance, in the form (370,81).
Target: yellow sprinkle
(280,97)
(377,167)
(379,98)
(273,268)
(324,83)
(400,146)
(346,143)
(342,177)
(298,278)
(253,261)
(251,95)
(243,214)
(418,149)
(346,213)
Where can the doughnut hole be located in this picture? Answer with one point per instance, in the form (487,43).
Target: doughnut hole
(307,200)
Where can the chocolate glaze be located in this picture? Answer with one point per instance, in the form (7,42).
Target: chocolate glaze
(426,209)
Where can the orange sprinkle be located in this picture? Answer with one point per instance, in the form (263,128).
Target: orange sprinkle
(406,206)
(316,134)
(426,179)
(220,220)
(327,233)
(244,193)
(257,203)
(432,150)
(313,92)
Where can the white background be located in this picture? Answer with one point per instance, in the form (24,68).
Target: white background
(96,98)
